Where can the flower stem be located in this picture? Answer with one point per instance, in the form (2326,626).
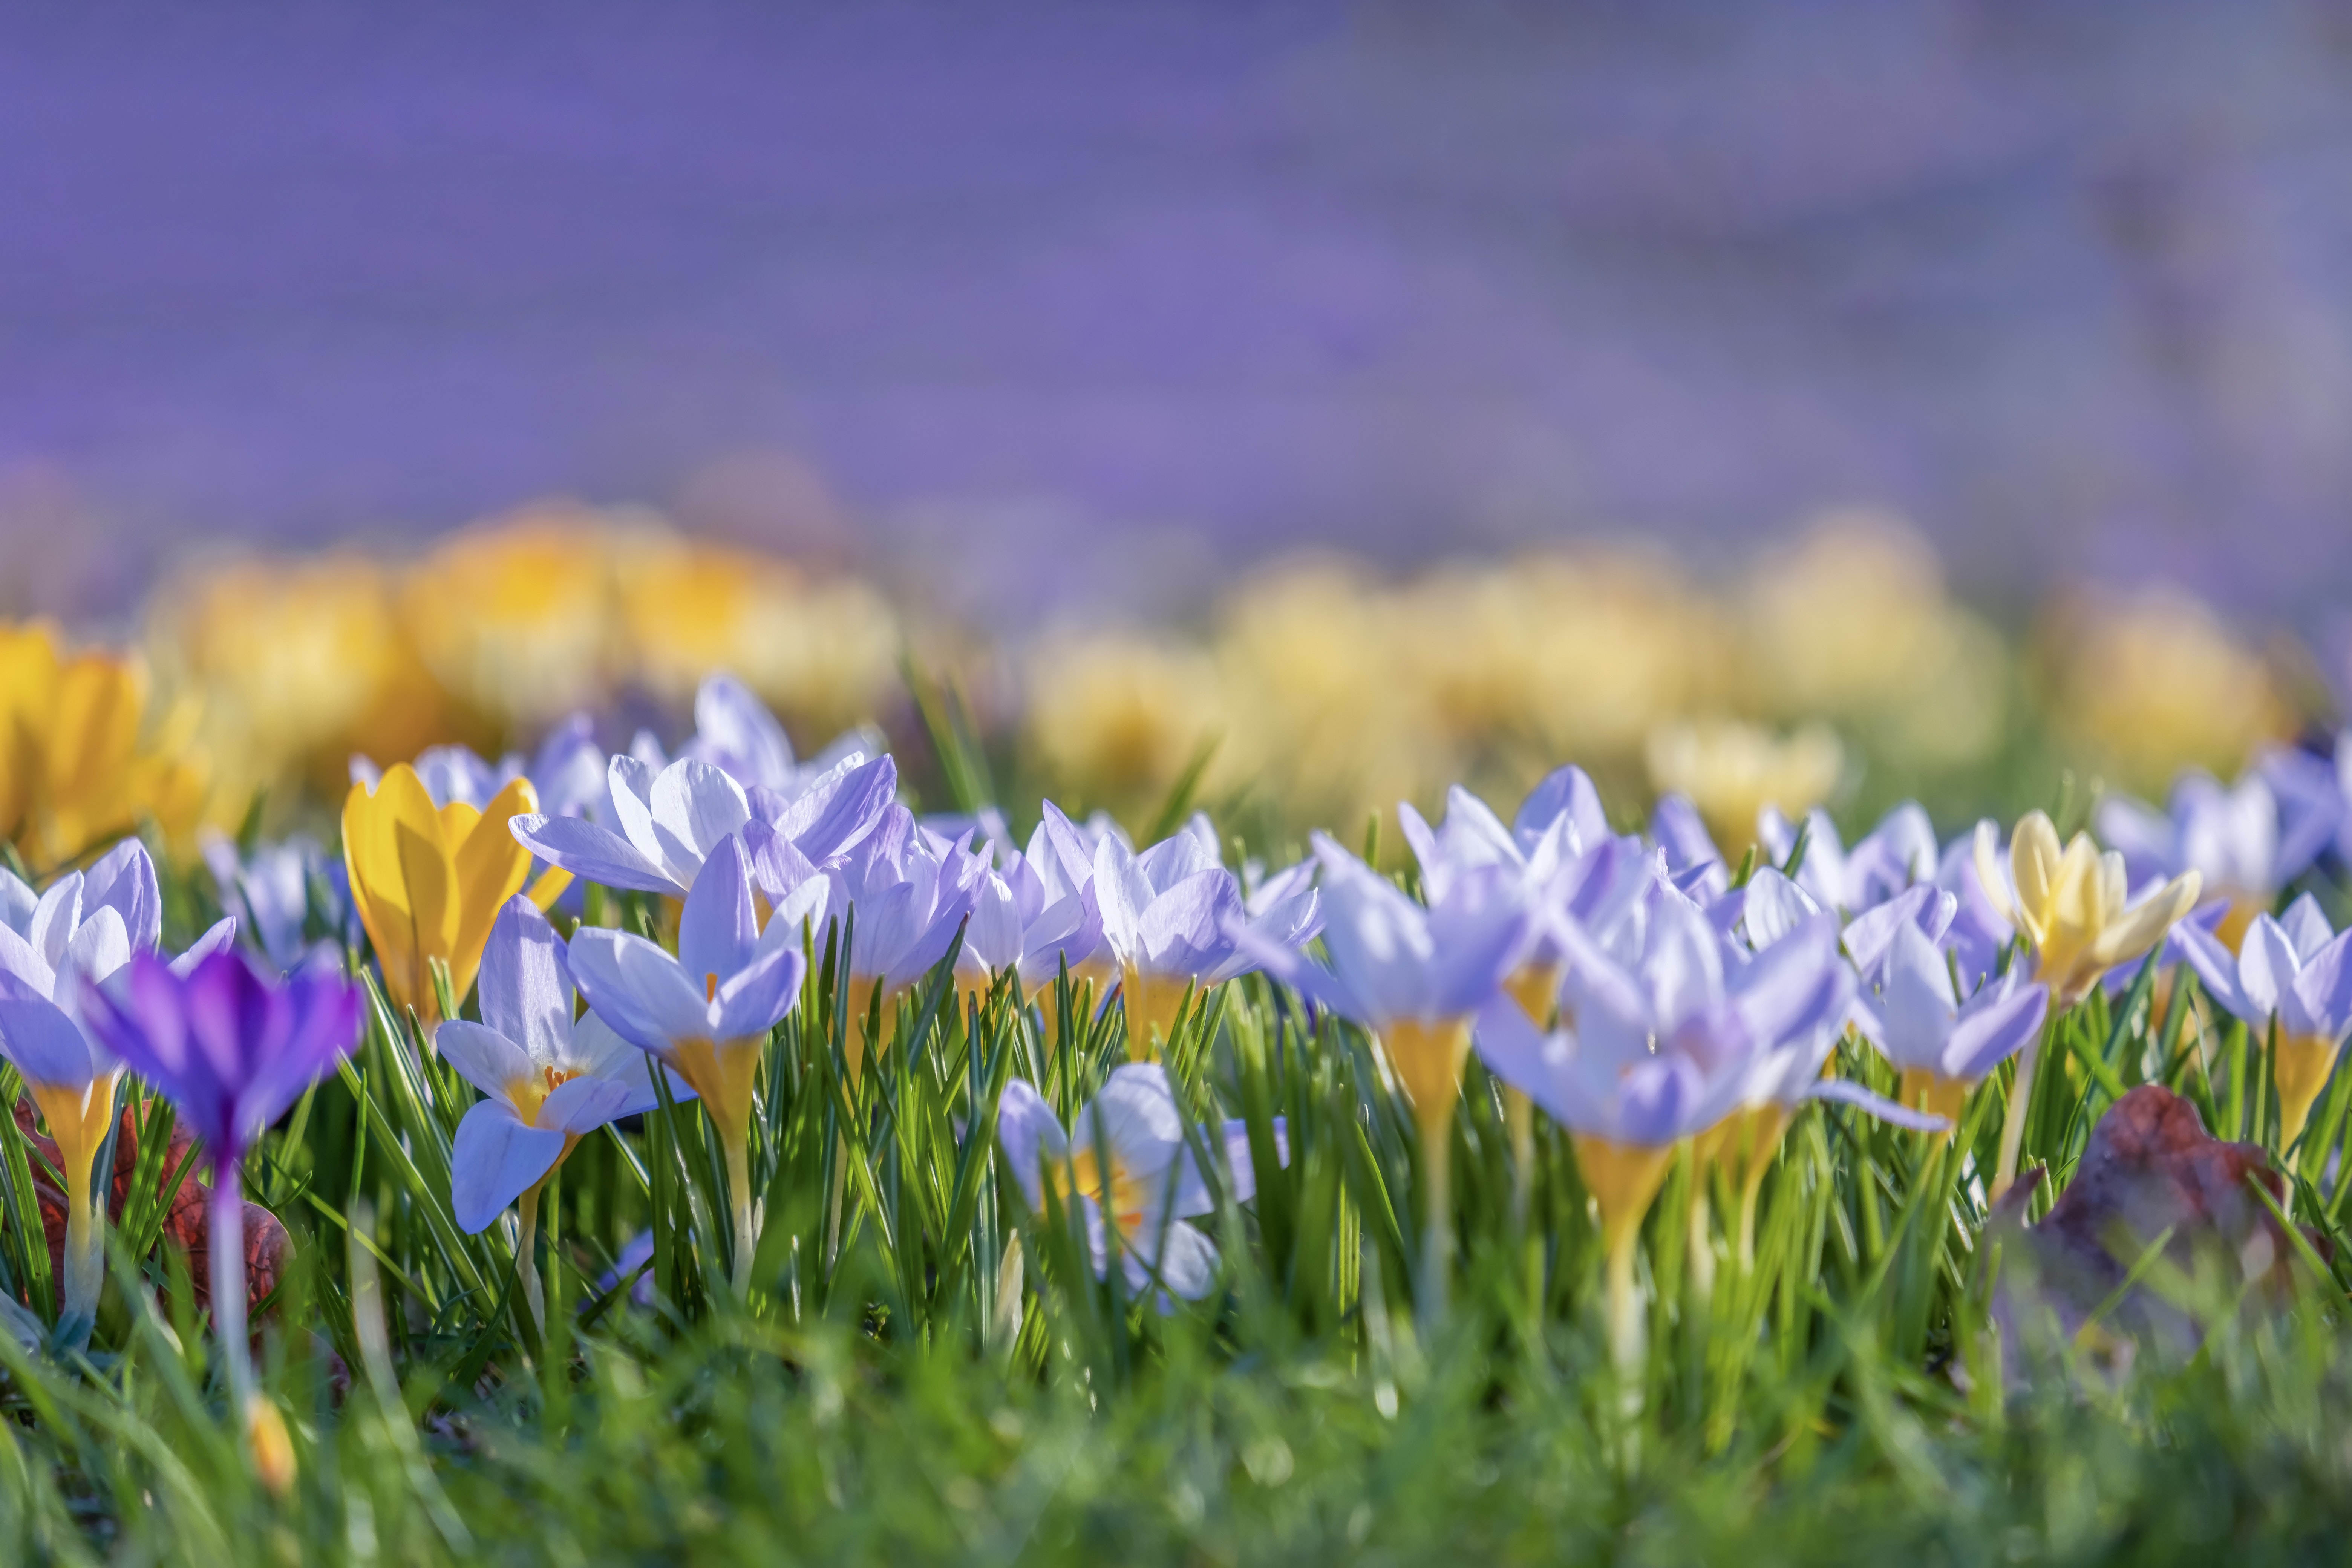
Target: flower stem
(1437,1215)
(228,1282)
(1749,1191)
(738,1182)
(85,1245)
(526,1253)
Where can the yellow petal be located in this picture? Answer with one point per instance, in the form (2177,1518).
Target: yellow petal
(1988,874)
(490,866)
(2143,928)
(402,881)
(2033,859)
(28,694)
(551,887)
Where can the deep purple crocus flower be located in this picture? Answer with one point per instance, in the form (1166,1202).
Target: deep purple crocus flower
(232,1047)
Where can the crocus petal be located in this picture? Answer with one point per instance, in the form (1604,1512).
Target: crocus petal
(526,990)
(1847,1092)
(484,1056)
(1138,1117)
(2267,963)
(583,1105)
(2324,989)
(2306,927)
(123,881)
(851,807)
(755,1000)
(638,989)
(734,731)
(219,937)
(1186,1263)
(1989,1035)
(2145,923)
(718,927)
(1029,1132)
(46,1045)
(2035,859)
(2220,972)
(494,1160)
(97,950)
(694,806)
(591,852)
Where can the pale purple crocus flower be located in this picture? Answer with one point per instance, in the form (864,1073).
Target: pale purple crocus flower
(666,822)
(2313,790)
(1694,865)
(53,949)
(1943,1045)
(1015,926)
(1772,906)
(232,1047)
(705,1014)
(1152,1184)
(2240,839)
(551,1079)
(912,893)
(1169,917)
(268,891)
(2294,972)
(1414,976)
(1897,854)
(736,732)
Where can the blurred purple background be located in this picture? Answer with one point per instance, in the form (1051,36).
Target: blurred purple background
(1016,303)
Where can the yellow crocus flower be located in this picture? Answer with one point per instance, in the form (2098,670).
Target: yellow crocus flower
(75,767)
(429,883)
(2074,906)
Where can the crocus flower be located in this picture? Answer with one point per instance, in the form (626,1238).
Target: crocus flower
(1692,1039)
(912,893)
(1694,865)
(551,1079)
(76,766)
(1151,1186)
(1170,915)
(1899,853)
(233,1046)
(82,930)
(1014,926)
(1561,847)
(704,1014)
(2074,906)
(735,732)
(2235,839)
(2297,972)
(668,820)
(1413,978)
(429,881)
(268,890)
(1944,1045)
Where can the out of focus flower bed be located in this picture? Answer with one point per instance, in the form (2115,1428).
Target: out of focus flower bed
(1832,666)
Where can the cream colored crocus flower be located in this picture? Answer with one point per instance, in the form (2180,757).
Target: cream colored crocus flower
(2074,906)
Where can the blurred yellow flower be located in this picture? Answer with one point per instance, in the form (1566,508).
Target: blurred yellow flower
(1114,718)
(1731,770)
(293,666)
(821,652)
(2144,687)
(1851,622)
(1320,717)
(429,883)
(83,759)
(517,618)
